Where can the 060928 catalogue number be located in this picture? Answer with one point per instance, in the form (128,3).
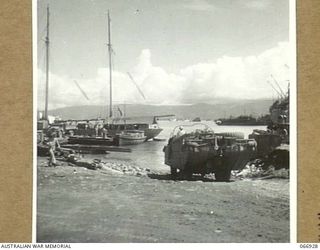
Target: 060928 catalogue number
(304,245)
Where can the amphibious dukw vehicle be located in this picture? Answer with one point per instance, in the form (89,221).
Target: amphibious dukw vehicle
(203,152)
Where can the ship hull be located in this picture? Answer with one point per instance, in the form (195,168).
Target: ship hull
(151,133)
(93,141)
(243,121)
(131,137)
(130,141)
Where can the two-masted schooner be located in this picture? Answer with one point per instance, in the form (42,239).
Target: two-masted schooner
(120,130)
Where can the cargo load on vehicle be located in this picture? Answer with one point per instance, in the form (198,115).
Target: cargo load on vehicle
(204,151)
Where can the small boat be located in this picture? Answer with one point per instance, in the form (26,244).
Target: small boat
(86,140)
(132,137)
(147,124)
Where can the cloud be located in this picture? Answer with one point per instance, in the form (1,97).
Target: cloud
(236,77)
(199,5)
(226,77)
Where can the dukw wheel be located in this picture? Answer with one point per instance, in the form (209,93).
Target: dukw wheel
(174,172)
(222,174)
(187,173)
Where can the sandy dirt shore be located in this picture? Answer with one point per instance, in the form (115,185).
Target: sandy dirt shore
(76,204)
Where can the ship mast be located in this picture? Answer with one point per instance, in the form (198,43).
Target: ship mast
(110,66)
(47,67)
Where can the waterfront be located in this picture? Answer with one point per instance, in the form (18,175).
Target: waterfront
(80,205)
(150,154)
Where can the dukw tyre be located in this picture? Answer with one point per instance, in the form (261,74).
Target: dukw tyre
(174,173)
(223,174)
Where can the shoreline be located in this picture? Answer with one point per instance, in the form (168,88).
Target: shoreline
(76,204)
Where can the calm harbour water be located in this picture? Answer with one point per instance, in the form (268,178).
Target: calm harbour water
(150,154)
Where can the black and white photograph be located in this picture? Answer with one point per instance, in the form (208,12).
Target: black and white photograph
(164,121)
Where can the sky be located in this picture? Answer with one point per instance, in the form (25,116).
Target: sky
(178,52)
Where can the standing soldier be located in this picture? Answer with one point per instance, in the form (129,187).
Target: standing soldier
(96,128)
(104,132)
(181,132)
(53,143)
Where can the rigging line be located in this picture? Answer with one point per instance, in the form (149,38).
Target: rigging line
(41,65)
(113,61)
(277,84)
(279,94)
(52,62)
(43,19)
(43,60)
(137,86)
(81,90)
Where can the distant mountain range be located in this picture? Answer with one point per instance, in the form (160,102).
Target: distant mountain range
(203,110)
